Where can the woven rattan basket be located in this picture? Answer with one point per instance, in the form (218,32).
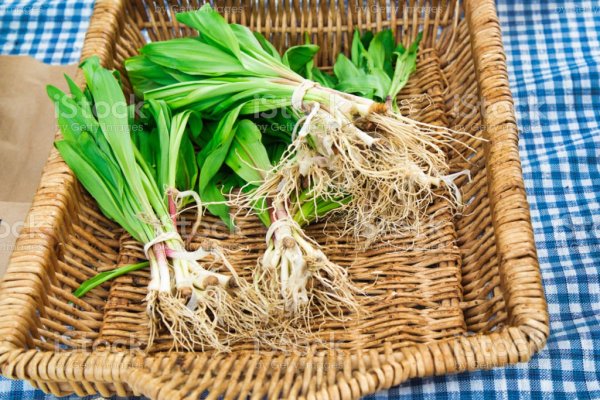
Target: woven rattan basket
(464,294)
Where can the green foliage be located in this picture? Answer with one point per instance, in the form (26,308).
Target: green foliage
(298,57)
(406,64)
(248,157)
(377,69)
(211,159)
(126,171)
(98,147)
(106,276)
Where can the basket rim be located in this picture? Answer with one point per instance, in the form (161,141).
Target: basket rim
(525,333)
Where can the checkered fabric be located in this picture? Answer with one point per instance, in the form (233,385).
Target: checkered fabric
(51,31)
(553,52)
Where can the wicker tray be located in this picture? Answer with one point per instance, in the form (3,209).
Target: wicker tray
(464,294)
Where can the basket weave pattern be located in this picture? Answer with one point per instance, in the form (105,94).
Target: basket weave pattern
(465,293)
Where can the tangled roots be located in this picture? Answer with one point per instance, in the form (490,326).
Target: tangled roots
(301,284)
(189,329)
(390,167)
(213,317)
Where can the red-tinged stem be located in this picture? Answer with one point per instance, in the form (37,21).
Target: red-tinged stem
(172,207)
(163,267)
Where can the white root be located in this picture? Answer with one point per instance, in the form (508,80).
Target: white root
(212,311)
(294,273)
(390,167)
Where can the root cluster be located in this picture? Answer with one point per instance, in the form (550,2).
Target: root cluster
(300,282)
(390,170)
(213,312)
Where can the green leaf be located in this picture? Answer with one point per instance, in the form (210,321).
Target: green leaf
(229,180)
(276,151)
(267,46)
(147,144)
(73,119)
(380,82)
(211,159)
(187,168)
(250,43)
(94,183)
(176,138)
(323,79)
(361,85)
(75,90)
(297,57)
(162,117)
(216,202)
(111,111)
(193,57)
(247,156)
(310,212)
(213,29)
(366,39)
(196,125)
(358,54)
(406,64)
(380,51)
(344,69)
(106,276)
(144,75)
(260,207)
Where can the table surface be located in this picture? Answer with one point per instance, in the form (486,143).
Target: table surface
(553,53)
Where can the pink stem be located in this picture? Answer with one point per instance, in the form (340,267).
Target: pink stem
(163,267)
(172,207)
(161,255)
(169,252)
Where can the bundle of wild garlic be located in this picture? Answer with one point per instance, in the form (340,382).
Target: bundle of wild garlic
(346,144)
(136,186)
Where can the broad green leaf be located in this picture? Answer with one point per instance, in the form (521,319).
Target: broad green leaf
(380,82)
(361,85)
(176,137)
(111,111)
(297,57)
(312,210)
(358,53)
(276,151)
(187,168)
(213,28)
(191,56)
(228,180)
(260,207)
(73,118)
(94,183)
(147,144)
(220,140)
(344,69)
(144,75)
(250,44)
(380,51)
(247,156)
(162,118)
(267,46)
(406,64)
(105,167)
(210,161)
(196,125)
(216,202)
(75,90)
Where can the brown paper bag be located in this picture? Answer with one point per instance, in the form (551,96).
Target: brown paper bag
(27,128)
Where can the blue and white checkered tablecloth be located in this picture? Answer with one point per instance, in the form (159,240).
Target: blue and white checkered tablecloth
(553,51)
